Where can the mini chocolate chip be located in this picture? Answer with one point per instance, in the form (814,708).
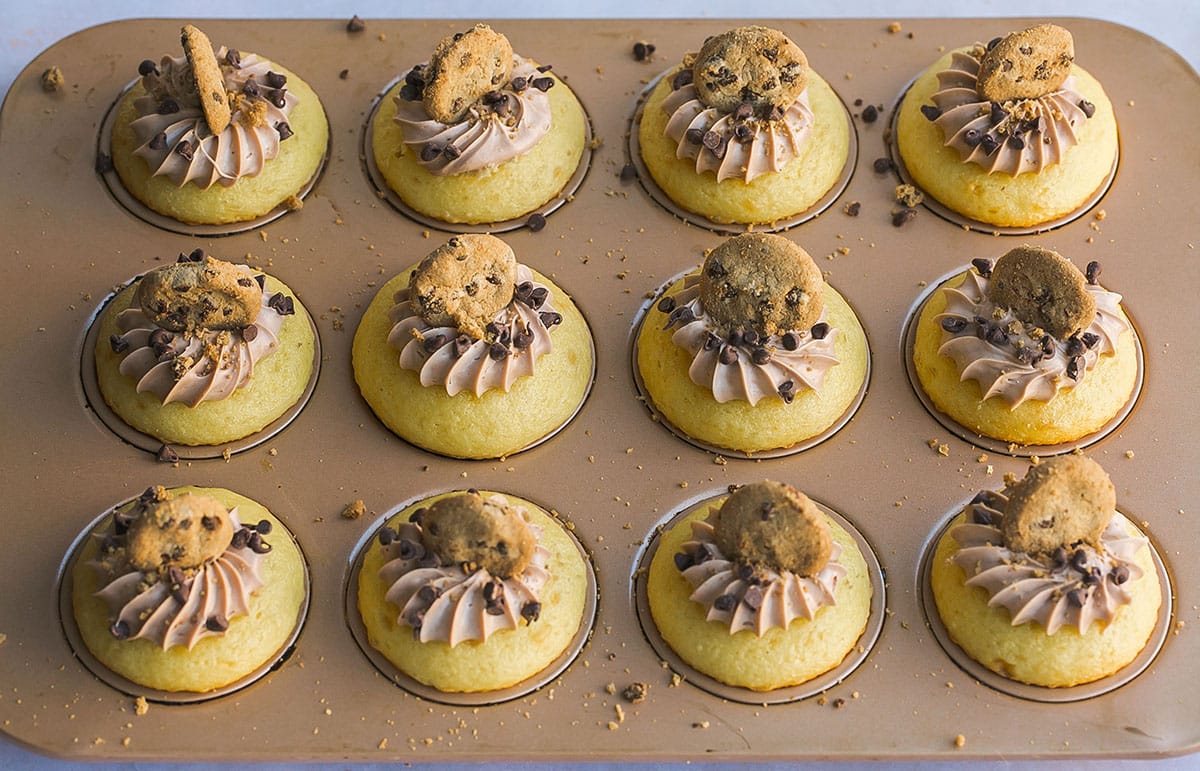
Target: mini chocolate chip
(263,527)
(355,24)
(760,356)
(118,344)
(1091,576)
(1075,368)
(433,342)
(750,337)
(1061,556)
(642,51)
(285,131)
(981,516)
(166,454)
(628,173)
(542,84)
(1074,346)
(531,611)
(1090,339)
(711,342)
(870,113)
(996,335)
(158,141)
(728,355)
(249,333)
(168,106)
(954,324)
(680,315)
(523,339)
(281,304)
(997,113)
(493,97)
(536,222)
(250,88)
(104,163)
(410,93)
(1077,597)
(343,74)
(257,544)
(735,337)
(277,97)
(147,67)
(185,149)
(160,337)
(989,144)
(983,266)
(386,536)
(665,305)
(883,165)
(725,603)
(1093,271)
(791,341)
(233,58)
(1088,108)
(497,351)
(490,590)
(275,79)
(217,623)
(852,209)
(550,319)
(545,67)
(1079,559)
(694,136)
(519,84)
(430,151)
(775,113)
(682,561)
(1119,575)
(753,597)
(1015,142)
(902,216)
(682,78)
(820,330)
(427,593)
(743,111)
(972,137)
(930,112)
(538,297)
(711,140)
(120,630)
(1047,344)
(787,391)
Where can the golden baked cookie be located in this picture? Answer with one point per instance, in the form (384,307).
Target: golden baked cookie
(706,604)
(465,282)
(1028,159)
(1063,501)
(724,379)
(170,155)
(528,619)
(1011,380)
(468,393)
(1083,610)
(259,574)
(163,381)
(459,150)
(705,130)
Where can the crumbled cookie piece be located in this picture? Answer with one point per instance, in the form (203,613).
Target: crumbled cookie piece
(464,67)
(208,294)
(354,509)
(210,83)
(909,195)
(465,282)
(1043,288)
(181,531)
(52,80)
(763,282)
(635,693)
(1061,502)
(750,65)
(1027,65)
(774,525)
(469,529)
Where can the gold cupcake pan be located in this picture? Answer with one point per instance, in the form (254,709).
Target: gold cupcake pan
(612,474)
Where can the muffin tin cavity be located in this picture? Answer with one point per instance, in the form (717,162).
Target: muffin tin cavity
(116,188)
(908,341)
(113,422)
(70,629)
(633,155)
(1037,693)
(466,699)
(857,655)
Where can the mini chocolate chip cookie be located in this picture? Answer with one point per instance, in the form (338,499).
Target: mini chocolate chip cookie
(764,282)
(210,83)
(468,528)
(184,532)
(754,65)
(1060,502)
(776,526)
(465,282)
(1027,64)
(210,294)
(1043,288)
(464,67)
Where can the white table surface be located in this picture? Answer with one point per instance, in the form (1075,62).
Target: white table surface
(30,26)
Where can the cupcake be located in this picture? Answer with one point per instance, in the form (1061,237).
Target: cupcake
(189,589)
(760,590)
(1029,351)
(1046,582)
(1013,133)
(217,137)
(472,591)
(754,352)
(478,134)
(471,354)
(744,131)
(203,352)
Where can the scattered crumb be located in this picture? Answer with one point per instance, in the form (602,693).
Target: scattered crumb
(701,724)
(354,509)
(52,80)
(635,692)
(908,195)
(355,24)
(852,209)
(960,741)
(893,28)
(620,713)
(1129,453)
(3,638)
(612,725)
(140,706)
(982,458)
(610,688)
(125,742)
(932,443)
(383,743)
(839,702)
(293,203)
(944,450)
(342,76)
(226,454)
(272,452)
(676,679)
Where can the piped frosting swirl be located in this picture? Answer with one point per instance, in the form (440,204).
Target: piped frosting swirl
(173,136)
(736,367)
(1014,137)
(738,144)
(503,125)
(753,598)
(518,335)
(1073,588)
(1005,357)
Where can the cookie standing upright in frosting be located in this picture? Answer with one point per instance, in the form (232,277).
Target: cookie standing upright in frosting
(472,591)
(217,136)
(1030,350)
(471,353)
(478,133)
(744,131)
(760,589)
(1013,133)
(1045,582)
(753,352)
(203,352)
(188,589)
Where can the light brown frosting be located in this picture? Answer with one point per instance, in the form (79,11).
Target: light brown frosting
(1045,127)
(759,599)
(804,367)
(486,137)
(241,150)
(473,369)
(767,145)
(149,610)
(445,603)
(999,368)
(1074,591)
(208,367)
